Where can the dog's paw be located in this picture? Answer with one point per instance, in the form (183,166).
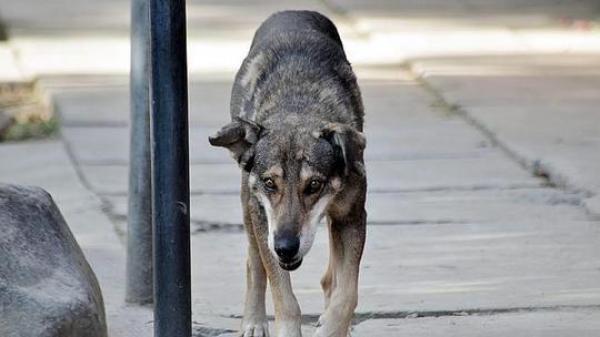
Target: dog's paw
(255,329)
(323,330)
(321,333)
(289,329)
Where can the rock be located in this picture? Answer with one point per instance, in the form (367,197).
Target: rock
(47,287)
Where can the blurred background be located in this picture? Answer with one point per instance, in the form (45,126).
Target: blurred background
(483,128)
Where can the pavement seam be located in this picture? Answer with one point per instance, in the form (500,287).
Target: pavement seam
(360,317)
(105,205)
(470,188)
(207,226)
(537,167)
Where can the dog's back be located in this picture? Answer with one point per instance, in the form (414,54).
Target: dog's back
(291,22)
(297,64)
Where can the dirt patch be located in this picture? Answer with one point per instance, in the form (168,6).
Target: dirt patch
(24,114)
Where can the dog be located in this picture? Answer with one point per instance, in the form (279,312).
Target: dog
(296,133)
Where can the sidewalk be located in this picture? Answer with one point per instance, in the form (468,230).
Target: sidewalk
(481,190)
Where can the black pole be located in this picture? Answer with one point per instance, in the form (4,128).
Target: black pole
(170,169)
(139,218)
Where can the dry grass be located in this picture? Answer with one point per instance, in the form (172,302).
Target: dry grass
(24,114)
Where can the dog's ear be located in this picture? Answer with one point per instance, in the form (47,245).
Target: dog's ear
(349,145)
(239,137)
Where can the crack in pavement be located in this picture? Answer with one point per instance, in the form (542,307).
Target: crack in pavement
(205,331)
(536,167)
(105,205)
(206,226)
(476,187)
(360,317)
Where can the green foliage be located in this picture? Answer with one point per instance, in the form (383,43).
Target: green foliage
(23,113)
(31,130)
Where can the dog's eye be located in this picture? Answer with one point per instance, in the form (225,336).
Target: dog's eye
(270,184)
(314,186)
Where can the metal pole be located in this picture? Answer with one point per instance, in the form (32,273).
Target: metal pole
(170,169)
(139,226)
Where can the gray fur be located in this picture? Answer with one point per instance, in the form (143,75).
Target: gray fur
(296,131)
(296,57)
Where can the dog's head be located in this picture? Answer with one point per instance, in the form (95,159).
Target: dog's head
(296,168)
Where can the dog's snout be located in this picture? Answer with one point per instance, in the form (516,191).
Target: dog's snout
(287,246)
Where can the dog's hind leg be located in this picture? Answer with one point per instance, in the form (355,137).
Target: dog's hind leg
(347,237)
(254,323)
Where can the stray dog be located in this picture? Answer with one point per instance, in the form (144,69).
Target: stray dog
(296,133)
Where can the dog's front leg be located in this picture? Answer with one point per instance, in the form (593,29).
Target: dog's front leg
(287,309)
(347,239)
(255,322)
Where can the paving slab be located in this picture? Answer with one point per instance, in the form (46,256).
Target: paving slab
(112,16)
(542,108)
(534,262)
(209,178)
(510,13)
(490,170)
(431,251)
(85,37)
(110,145)
(558,323)
(409,208)
(402,123)
(209,100)
(209,104)
(399,31)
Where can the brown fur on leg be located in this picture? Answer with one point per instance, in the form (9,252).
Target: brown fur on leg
(254,323)
(287,309)
(347,242)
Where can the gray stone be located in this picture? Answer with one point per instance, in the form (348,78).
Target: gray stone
(47,164)
(47,288)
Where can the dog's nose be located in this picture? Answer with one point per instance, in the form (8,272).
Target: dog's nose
(287,247)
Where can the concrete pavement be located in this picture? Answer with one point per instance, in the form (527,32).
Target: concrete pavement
(470,231)
(542,109)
